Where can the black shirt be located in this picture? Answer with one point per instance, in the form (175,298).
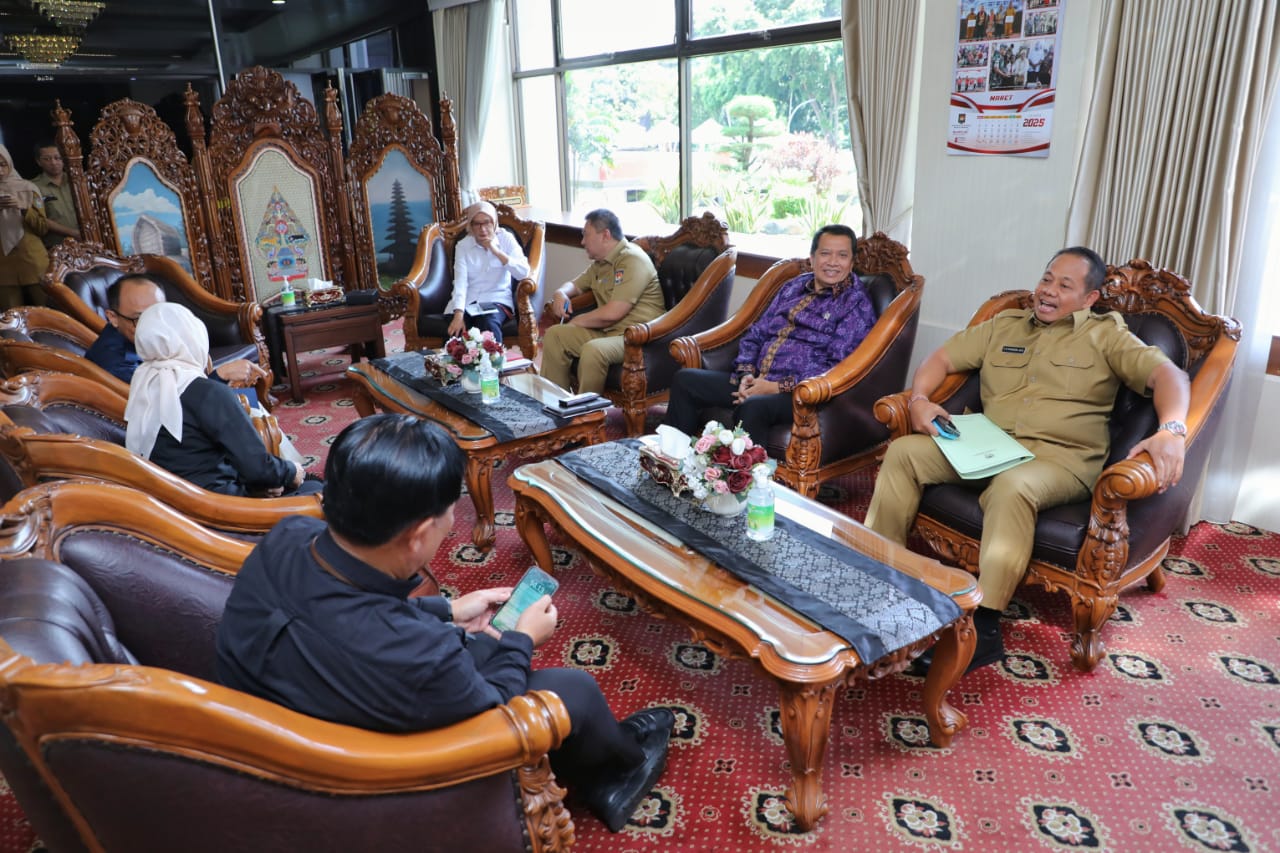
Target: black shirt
(358,651)
(220,450)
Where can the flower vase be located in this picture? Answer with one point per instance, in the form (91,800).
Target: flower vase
(724,504)
(470,380)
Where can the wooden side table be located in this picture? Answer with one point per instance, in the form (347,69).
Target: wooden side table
(304,329)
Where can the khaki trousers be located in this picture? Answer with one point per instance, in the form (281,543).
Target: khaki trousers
(594,350)
(1010,502)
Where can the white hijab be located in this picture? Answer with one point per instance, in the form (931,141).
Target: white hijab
(174,347)
(11,218)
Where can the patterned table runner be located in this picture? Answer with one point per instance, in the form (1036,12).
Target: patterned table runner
(873,606)
(514,415)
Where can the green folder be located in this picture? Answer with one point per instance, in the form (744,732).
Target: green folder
(983,449)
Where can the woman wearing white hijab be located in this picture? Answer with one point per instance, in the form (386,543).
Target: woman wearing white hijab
(23,258)
(191,425)
(484,262)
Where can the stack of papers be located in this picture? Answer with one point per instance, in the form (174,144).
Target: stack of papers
(983,449)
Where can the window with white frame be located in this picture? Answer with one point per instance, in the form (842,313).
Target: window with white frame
(668,107)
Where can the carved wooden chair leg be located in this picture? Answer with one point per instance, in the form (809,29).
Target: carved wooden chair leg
(1091,614)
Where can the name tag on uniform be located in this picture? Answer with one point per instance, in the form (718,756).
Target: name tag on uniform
(1014,350)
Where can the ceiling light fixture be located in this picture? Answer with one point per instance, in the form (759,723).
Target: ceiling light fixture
(277,2)
(70,14)
(42,49)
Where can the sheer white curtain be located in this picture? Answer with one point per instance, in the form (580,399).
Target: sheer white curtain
(880,62)
(469,43)
(1174,169)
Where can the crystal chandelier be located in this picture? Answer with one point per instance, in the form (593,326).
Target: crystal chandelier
(42,49)
(70,14)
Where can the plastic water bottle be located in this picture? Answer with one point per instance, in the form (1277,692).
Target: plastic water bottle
(490,389)
(287,297)
(760,506)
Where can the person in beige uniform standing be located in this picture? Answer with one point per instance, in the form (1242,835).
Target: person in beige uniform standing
(1049,377)
(23,258)
(59,208)
(625,286)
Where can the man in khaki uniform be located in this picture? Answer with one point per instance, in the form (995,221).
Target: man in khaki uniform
(59,209)
(625,286)
(1049,377)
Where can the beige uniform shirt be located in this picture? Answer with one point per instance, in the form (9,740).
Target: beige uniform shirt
(1053,387)
(626,273)
(58,205)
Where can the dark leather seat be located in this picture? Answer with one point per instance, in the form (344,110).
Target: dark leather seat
(833,431)
(426,290)
(1094,548)
(117,736)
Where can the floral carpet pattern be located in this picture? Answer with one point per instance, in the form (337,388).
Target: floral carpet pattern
(1172,743)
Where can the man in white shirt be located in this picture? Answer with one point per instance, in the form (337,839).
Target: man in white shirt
(483,264)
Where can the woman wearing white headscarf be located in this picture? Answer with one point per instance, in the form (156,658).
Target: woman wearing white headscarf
(23,259)
(191,425)
(484,263)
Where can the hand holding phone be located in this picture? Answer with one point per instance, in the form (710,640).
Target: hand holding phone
(532,586)
(946,428)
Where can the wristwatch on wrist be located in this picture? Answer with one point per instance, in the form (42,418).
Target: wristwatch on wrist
(1176,427)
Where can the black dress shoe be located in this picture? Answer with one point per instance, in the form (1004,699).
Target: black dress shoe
(615,801)
(642,723)
(989,650)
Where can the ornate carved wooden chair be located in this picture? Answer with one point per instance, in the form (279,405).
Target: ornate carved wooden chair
(19,356)
(429,285)
(118,737)
(56,426)
(80,274)
(1093,549)
(696,268)
(48,327)
(833,431)
(394,146)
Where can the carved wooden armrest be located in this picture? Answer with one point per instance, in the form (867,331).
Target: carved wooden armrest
(158,709)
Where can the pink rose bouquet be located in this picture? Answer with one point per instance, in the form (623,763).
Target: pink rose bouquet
(722,461)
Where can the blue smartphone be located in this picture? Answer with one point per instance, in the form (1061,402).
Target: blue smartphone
(535,584)
(946,428)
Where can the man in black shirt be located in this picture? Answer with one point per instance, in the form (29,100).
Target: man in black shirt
(320,620)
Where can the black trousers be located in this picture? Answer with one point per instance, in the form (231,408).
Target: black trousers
(597,745)
(694,390)
(489,322)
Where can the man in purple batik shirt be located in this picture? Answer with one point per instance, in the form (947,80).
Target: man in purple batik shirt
(815,321)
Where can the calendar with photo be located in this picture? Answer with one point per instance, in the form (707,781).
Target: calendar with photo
(1004,77)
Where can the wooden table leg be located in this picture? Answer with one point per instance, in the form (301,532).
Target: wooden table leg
(291,365)
(532,529)
(951,658)
(363,400)
(806,727)
(478,470)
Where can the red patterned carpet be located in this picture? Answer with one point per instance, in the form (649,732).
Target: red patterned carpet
(1172,743)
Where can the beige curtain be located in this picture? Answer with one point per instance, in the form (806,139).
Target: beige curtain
(880,62)
(1175,124)
(467,38)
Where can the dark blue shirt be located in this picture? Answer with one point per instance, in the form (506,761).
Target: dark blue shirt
(357,651)
(114,353)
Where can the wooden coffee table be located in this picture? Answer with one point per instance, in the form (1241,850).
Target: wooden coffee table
(374,388)
(808,663)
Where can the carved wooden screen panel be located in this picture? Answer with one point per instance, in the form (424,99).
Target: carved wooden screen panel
(143,192)
(262,113)
(279,221)
(402,179)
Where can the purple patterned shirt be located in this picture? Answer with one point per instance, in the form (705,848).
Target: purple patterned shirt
(804,333)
